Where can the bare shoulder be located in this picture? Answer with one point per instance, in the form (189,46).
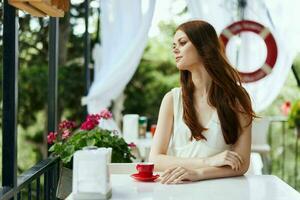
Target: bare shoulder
(166,108)
(168,96)
(167,100)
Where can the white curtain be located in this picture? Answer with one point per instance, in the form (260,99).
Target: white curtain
(248,53)
(124,34)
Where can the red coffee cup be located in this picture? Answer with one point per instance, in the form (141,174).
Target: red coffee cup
(145,169)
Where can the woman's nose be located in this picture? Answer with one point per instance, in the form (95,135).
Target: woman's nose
(175,51)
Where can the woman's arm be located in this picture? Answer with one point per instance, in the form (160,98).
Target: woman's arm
(241,147)
(161,141)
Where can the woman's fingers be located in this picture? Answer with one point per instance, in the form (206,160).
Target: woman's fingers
(236,161)
(170,175)
(227,157)
(235,157)
(166,177)
(232,163)
(178,182)
(180,178)
(229,163)
(168,171)
(238,156)
(175,174)
(167,174)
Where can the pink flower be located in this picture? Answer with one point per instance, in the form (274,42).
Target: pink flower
(91,122)
(51,137)
(93,117)
(66,133)
(89,125)
(106,114)
(132,145)
(66,124)
(285,108)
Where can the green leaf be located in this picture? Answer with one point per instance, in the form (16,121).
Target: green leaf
(67,159)
(52,148)
(70,149)
(91,142)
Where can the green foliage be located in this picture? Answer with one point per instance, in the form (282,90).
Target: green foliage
(147,88)
(294,115)
(70,90)
(98,137)
(155,76)
(33,92)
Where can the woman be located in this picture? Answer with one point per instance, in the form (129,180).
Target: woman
(204,127)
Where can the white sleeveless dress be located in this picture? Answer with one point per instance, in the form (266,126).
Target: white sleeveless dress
(180,144)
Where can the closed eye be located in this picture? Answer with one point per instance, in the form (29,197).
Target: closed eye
(182,43)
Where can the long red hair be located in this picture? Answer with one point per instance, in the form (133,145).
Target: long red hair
(226,93)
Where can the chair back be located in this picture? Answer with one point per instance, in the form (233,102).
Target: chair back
(260,129)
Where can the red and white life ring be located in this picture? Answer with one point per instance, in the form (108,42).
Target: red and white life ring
(265,34)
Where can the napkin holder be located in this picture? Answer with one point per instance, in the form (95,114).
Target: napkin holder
(91,177)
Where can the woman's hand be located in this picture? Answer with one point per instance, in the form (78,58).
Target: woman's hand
(231,158)
(177,175)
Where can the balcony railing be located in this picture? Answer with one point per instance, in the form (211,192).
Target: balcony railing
(284,155)
(39,182)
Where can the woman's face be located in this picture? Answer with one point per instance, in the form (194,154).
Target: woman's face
(185,53)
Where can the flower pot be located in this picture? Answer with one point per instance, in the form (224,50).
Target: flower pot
(42,8)
(64,187)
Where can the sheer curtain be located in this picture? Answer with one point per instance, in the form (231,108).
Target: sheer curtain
(248,52)
(124,34)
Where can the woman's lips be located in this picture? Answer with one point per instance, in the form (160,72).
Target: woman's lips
(178,58)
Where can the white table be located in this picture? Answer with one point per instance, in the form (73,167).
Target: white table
(262,187)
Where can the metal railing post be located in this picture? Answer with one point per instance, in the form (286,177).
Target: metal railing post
(10,96)
(87,49)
